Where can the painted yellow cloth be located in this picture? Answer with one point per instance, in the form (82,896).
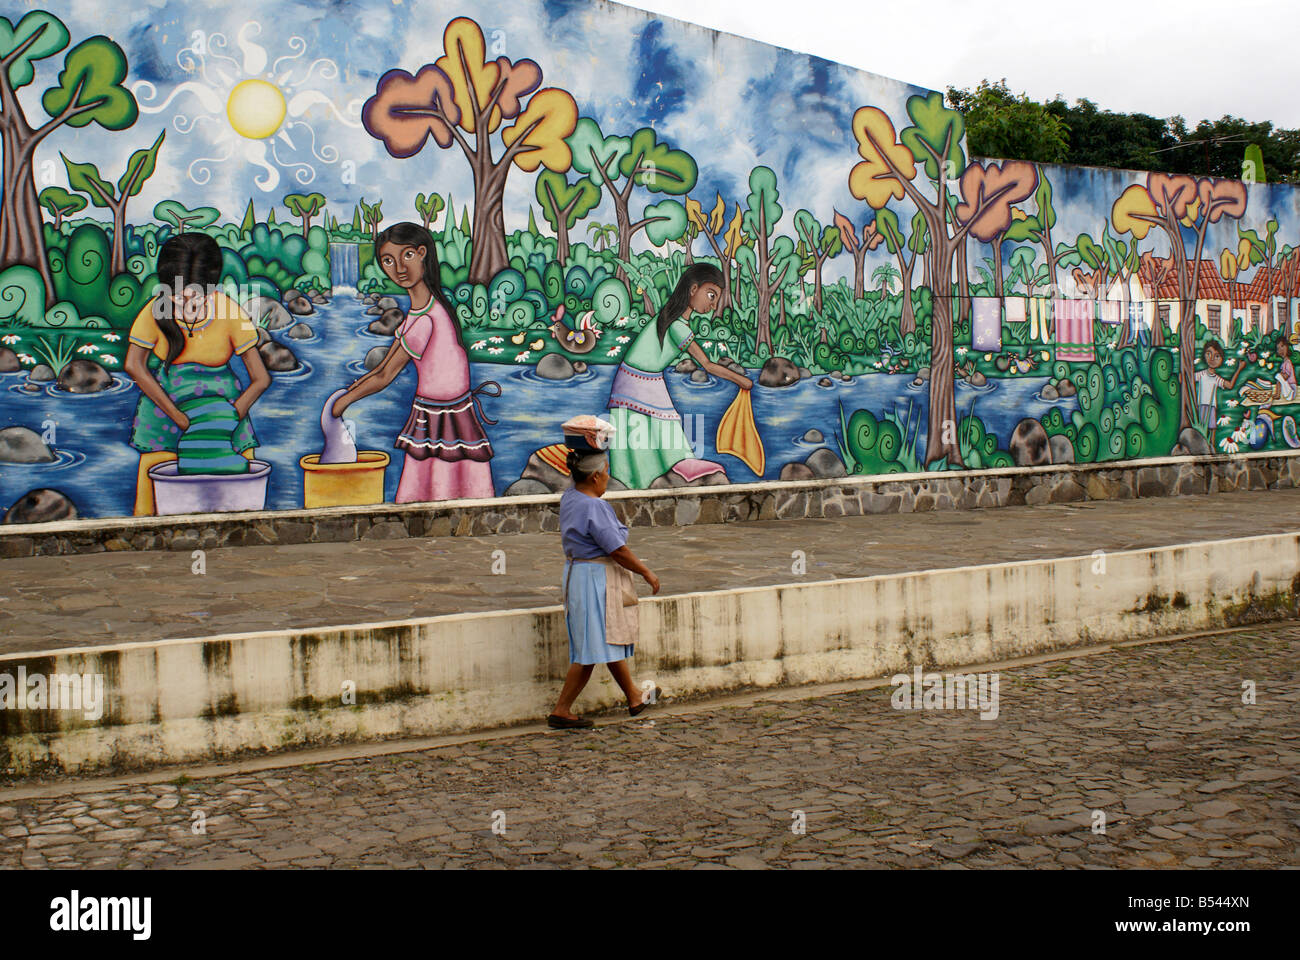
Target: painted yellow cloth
(738,435)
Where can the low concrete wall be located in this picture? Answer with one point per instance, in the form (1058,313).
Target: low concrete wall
(681,506)
(187,700)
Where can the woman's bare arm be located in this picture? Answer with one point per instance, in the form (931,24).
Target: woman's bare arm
(625,558)
(383,375)
(696,351)
(258,381)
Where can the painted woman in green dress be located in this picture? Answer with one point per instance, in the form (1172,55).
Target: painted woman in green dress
(650,440)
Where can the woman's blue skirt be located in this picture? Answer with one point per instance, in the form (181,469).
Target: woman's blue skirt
(584,615)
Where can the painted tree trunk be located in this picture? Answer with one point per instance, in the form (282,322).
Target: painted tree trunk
(963,281)
(118,261)
(907,321)
(817,283)
(997,266)
(859,272)
(22,240)
(941,440)
(562,239)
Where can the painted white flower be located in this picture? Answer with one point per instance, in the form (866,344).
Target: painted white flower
(1228,445)
(523,357)
(26,358)
(625,338)
(112,337)
(1230,361)
(877,364)
(962,351)
(1231,403)
(87,348)
(11,338)
(107,359)
(707,343)
(614,351)
(497,339)
(1223,421)
(723,348)
(495,350)
(621,321)
(478,345)
(1241,435)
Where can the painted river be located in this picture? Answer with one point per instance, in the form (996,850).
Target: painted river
(96,467)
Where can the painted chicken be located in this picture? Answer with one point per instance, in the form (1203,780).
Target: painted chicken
(581,340)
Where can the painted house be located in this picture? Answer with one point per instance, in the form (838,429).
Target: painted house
(1158,280)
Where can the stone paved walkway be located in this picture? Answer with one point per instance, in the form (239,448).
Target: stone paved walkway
(1155,736)
(65,601)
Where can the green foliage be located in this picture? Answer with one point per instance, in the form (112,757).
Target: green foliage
(871,446)
(81,277)
(1002,124)
(1128,407)
(22,297)
(92,76)
(183,218)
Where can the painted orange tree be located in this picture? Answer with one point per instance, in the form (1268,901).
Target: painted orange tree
(888,170)
(1183,207)
(463,98)
(88,90)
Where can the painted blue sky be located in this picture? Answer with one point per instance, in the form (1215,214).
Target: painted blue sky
(732,103)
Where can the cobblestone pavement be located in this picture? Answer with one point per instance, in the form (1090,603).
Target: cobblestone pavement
(52,602)
(1155,736)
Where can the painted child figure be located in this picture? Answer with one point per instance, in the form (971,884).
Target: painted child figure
(1208,383)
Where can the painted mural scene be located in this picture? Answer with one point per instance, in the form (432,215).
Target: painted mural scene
(238,272)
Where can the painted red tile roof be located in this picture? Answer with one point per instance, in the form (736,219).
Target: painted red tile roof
(1211,285)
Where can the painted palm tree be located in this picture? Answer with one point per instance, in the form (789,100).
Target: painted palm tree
(602,234)
(885,275)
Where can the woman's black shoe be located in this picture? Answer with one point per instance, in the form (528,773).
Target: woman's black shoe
(568,723)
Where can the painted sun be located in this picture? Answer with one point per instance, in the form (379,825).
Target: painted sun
(254,108)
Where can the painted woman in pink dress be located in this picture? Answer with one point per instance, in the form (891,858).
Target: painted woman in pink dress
(447,450)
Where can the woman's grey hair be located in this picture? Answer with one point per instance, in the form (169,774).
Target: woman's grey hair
(593,463)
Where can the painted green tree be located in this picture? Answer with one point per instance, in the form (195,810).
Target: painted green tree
(89,90)
(183,218)
(373,216)
(306,206)
(620,164)
(821,242)
(61,204)
(564,204)
(428,206)
(769,264)
(858,249)
(85,177)
(896,242)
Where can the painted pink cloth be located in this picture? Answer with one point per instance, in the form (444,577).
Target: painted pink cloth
(435,479)
(441,363)
(692,469)
(1074,319)
(442,374)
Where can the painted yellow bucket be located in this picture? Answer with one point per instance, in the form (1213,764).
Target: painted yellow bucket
(343,484)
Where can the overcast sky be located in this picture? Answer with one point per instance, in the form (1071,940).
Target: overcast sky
(1197,58)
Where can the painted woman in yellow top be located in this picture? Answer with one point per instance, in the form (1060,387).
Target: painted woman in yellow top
(179,356)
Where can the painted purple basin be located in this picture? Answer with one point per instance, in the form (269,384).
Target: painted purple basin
(209,493)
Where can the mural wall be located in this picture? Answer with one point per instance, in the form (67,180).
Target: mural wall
(279,254)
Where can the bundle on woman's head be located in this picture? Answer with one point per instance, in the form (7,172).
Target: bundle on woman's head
(587,438)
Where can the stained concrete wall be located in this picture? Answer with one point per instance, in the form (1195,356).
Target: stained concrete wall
(186,700)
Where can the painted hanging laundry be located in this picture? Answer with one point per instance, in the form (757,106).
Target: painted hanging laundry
(1017,312)
(1040,319)
(738,434)
(986,324)
(1074,319)
(1112,311)
(207,446)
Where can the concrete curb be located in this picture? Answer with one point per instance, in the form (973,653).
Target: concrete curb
(184,700)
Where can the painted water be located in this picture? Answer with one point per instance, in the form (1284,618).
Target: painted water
(96,467)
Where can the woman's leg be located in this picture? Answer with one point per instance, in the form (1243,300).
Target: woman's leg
(144,502)
(623,677)
(579,674)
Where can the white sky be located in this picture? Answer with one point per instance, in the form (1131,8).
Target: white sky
(1197,58)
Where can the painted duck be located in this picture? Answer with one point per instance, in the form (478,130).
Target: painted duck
(581,340)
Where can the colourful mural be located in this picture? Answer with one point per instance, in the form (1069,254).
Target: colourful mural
(279,255)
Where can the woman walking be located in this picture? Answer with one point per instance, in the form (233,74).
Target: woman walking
(599,594)
(447,450)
